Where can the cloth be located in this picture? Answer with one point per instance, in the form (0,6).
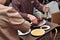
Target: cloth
(38,13)
(53,6)
(10,22)
(26,7)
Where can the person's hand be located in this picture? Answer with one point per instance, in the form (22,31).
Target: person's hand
(45,9)
(33,19)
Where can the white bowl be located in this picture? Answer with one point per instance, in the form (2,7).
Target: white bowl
(45,27)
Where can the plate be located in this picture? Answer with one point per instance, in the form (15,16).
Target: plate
(45,27)
(20,33)
(42,23)
(37,32)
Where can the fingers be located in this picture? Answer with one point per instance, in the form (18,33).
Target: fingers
(31,17)
(35,21)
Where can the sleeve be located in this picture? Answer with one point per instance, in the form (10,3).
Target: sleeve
(16,5)
(17,22)
(38,5)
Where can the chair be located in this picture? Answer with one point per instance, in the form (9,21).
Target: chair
(55,19)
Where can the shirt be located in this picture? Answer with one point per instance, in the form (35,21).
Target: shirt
(26,6)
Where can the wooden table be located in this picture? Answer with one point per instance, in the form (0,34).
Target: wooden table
(30,37)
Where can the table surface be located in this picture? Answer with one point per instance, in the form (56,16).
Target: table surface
(30,37)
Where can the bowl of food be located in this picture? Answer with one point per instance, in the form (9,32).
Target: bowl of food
(45,27)
(37,32)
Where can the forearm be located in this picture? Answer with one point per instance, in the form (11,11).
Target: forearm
(24,15)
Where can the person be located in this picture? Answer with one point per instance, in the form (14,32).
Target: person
(26,8)
(45,2)
(58,3)
(10,22)
(5,2)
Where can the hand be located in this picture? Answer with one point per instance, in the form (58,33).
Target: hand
(33,19)
(40,20)
(45,8)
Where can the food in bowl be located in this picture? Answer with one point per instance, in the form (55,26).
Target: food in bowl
(37,32)
(45,27)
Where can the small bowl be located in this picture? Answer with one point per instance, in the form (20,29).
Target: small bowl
(45,27)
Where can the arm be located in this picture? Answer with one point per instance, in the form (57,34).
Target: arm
(38,5)
(16,5)
(10,18)
(17,22)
